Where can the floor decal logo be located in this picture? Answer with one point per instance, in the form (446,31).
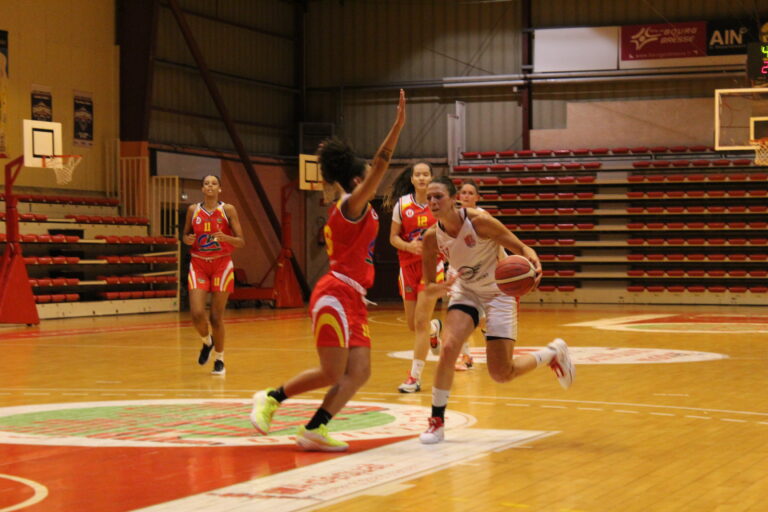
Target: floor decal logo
(686,323)
(200,422)
(601,355)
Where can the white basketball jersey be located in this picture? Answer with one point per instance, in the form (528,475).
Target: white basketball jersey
(473,258)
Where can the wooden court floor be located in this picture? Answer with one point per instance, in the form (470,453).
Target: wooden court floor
(668,413)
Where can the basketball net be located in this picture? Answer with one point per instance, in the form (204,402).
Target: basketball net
(63,166)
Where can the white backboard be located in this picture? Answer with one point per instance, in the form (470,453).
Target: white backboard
(41,138)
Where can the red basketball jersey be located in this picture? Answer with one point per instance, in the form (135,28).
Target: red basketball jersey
(350,243)
(414,221)
(204,225)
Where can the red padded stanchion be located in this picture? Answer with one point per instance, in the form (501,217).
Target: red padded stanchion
(17,303)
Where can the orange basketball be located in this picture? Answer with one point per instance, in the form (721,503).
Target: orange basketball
(515,275)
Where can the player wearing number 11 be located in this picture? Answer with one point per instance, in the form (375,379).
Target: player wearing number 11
(212,229)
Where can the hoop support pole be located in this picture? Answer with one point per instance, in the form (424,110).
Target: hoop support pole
(17,304)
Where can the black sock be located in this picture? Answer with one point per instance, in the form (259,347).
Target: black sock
(321,417)
(278,394)
(438,412)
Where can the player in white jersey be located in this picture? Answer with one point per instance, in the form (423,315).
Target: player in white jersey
(470,239)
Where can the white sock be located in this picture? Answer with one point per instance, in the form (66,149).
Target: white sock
(440,397)
(207,339)
(465,348)
(219,356)
(544,356)
(417,366)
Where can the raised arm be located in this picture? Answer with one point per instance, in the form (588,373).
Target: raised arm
(366,190)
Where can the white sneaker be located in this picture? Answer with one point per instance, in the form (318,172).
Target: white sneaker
(434,433)
(410,385)
(434,337)
(561,364)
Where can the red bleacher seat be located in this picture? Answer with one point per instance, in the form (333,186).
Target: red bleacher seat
(698,148)
(524,153)
(470,154)
(695,273)
(678,149)
(566,241)
(542,152)
(639,149)
(497,167)
(42,299)
(641,164)
(546,288)
(700,163)
(635,288)
(620,151)
(572,166)
(758,289)
(676,288)
(580,151)
(487,154)
(681,163)
(534,167)
(758,176)
(72,297)
(590,165)
(635,257)
(553,166)
(721,162)
(478,168)
(508,181)
(460,168)
(674,209)
(661,163)
(695,288)
(655,288)
(716,288)
(506,154)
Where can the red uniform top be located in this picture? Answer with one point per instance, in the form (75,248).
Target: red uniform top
(204,224)
(414,220)
(350,243)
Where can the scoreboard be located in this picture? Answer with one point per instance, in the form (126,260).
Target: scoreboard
(757,62)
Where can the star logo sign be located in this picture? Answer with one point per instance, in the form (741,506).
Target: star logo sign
(643,37)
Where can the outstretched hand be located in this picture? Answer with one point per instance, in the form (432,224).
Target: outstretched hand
(400,119)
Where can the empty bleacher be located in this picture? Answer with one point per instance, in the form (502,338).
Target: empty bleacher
(661,224)
(83,258)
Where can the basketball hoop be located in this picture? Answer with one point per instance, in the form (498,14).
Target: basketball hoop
(761,150)
(62,165)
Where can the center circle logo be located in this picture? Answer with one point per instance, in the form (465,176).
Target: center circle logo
(201,422)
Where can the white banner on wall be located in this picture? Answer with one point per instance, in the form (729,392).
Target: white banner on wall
(575,49)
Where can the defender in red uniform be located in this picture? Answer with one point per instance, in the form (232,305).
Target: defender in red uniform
(337,305)
(212,229)
(410,219)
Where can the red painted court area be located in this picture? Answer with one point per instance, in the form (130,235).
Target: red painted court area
(88,479)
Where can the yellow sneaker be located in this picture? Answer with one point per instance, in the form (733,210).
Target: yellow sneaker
(264,407)
(318,440)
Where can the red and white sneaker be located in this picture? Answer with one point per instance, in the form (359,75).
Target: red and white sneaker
(434,337)
(561,364)
(435,432)
(410,385)
(463,363)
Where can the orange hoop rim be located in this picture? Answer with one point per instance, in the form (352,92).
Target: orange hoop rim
(52,157)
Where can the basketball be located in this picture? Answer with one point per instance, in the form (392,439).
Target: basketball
(515,275)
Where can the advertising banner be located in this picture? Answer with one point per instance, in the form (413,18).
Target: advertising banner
(42,103)
(729,38)
(83,116)
(664,41)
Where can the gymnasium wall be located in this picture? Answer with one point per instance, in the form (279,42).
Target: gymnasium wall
(359,53)
(66,45)
(250,49)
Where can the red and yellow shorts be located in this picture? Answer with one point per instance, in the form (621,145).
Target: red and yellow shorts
(215,275)
(411,279)
(339,315)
